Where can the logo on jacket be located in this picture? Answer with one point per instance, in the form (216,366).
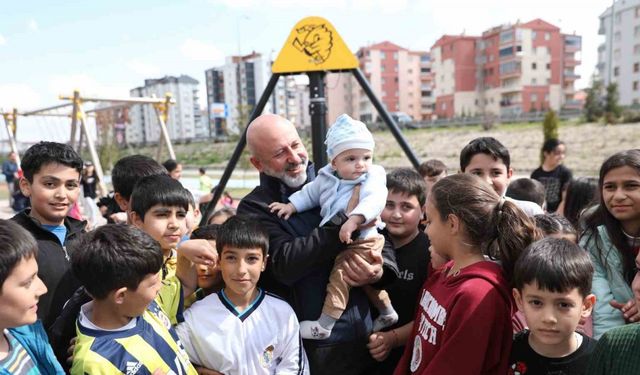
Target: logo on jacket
(267,357)
(416,357)
(133,367)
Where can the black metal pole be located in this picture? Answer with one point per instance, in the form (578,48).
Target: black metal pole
(386,118)
(318,112)
(257,110)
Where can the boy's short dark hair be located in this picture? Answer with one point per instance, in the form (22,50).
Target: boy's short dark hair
(158,189)
(17,244)
(242,232)
(114,256)
(554,224)
(170,165)
(202,170)
(556,265)
(224,211)
(432,168)
(527,189)
(484,145)
(43,153)
(207,232)
(407,181)
(130,169)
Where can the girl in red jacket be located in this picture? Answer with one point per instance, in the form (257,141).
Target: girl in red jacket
(463,318)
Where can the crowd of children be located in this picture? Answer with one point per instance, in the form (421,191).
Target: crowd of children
(482,275)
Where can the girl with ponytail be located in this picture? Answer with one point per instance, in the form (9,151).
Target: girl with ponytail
(472,226)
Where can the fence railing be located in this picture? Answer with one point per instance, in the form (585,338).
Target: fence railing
(478,120)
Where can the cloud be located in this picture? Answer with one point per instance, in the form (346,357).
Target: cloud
(3,40)
(18,95)
(197,50)
(142,68)
(33,25)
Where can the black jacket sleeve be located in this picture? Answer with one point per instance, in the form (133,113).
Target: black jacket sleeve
(390,266)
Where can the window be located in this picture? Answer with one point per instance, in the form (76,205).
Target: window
(616,54)
(636,67)
(616,71)
(383,55)
(395,55)
(534,66)
(506,36)
(637,12)
(534,35)
(546,97)
(444,106)
(547,36)
(507,51)
(635,85)
(382,80)
(534,97)
(616,36)
(548,66)
(636,31)
(636,49)
(534,81)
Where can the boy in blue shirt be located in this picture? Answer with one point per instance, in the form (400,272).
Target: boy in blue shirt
(52,182)
(24,348)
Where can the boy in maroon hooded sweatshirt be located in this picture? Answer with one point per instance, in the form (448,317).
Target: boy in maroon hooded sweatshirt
(463,319)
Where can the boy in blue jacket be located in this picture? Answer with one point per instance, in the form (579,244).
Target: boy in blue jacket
(24,347)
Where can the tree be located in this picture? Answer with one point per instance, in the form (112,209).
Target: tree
(549,129)
(612,110)
(593,109)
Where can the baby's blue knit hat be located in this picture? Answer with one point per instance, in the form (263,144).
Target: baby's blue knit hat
(345,134)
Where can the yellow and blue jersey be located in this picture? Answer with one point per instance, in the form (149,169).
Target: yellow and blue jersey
(147,346)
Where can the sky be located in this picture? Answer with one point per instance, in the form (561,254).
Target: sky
(106,48)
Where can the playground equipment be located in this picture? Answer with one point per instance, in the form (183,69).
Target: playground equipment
(78,120)
(314,47)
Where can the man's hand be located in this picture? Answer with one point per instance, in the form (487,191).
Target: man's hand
(70,350)
(359,272)
(629,310)
(349,226)
(283,210)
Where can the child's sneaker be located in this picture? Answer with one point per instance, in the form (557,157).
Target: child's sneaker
(384,321)
(312,330)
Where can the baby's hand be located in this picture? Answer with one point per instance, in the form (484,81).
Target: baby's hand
(283,210)
(348,227)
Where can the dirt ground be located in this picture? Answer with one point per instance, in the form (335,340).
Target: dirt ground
(587,145)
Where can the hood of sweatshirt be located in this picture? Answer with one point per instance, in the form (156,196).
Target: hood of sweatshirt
(487,270)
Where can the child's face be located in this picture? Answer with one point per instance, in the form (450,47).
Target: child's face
(54,190)
(431,180)
(176,173)
(401,215)
(552,317)
(135,302)
(20,294)
(621,195)
(353,163)
(494,172)
(555,157)
(241,270)
(165,224)
(193,217)
(208,276)
(437,230)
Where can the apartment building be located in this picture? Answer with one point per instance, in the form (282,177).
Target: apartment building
(508,70)
(400,78)
(619,55)
(183,122)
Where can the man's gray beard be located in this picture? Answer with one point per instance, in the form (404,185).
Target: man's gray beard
(292,182)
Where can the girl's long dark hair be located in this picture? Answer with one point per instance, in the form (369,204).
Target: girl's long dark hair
(601,216)
(497,226)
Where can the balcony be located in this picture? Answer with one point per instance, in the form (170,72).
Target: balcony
(571,62)
(506,103)
(510,89)
(571,76)
(514,73)
(573,104)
